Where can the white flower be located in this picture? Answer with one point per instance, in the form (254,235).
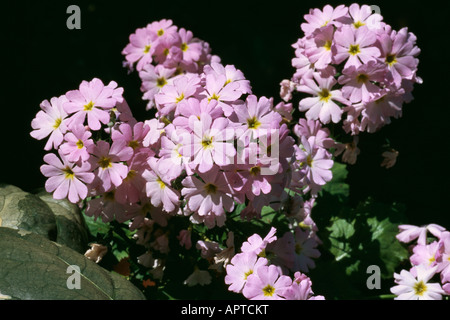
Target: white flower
(416,287)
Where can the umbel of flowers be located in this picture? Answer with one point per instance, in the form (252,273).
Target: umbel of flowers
(213,146)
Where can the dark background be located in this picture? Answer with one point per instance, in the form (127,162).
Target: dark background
(43,59)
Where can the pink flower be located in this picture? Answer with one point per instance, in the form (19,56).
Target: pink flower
(78,146)
(320,18)
(300,289)
(140,49)
(363,16)
(51,120)
(158,187)
(131,136)
(153,136)
(153,80)
(107,161)
(316,162)
(416,286)
(301,63)
(163,28)
(168,51)
(409,233)
(92,100)
(170,96)
(133,185)
(232,75)
(398,52)
(267,283)
(359,81)
(305,250)
(318,47)
(240,267)
(208,198)
(211,143)
(357,46)
(66,179)
(314,128)
(255,244)
(194,107)
(425,254)
(190,46)
(226,93)
(254,118)
(443,257)
(322,106)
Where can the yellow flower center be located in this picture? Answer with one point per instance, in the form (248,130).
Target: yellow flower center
(354,49)
(162,185)
(214,96)
(147,48)
(184,46)
(160,32)
(57,123)
(358,24)
(161,82)
(324,95)
(249,272)
(327,45)
(181,97)
(68,173)
(268,290)
(309,160)
(133,144)
(254,171)
(419,288)
(131,174)
(391,59)
(207,142)
(253,123)
(80,144)
(362,78)
(104,162)
(210,188)
(89,106)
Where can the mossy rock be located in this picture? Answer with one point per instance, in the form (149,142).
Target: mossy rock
(35,268)
(57,220)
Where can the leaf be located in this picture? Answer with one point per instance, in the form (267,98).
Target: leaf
(340,232)
(337,186)
(35,268)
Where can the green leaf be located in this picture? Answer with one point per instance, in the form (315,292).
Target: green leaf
(341,231)
(337,186)
(35,268)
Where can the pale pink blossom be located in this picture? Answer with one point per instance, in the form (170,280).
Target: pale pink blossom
(323,103)
(266,283)
(356,46)
(240,267)
(50,122)
(66,179)
(107,163)
(77,145)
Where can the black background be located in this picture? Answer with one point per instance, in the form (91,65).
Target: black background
(43,59)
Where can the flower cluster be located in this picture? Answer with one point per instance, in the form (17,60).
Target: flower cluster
(251,273)
(160,52)
(429,276)
(355,68)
